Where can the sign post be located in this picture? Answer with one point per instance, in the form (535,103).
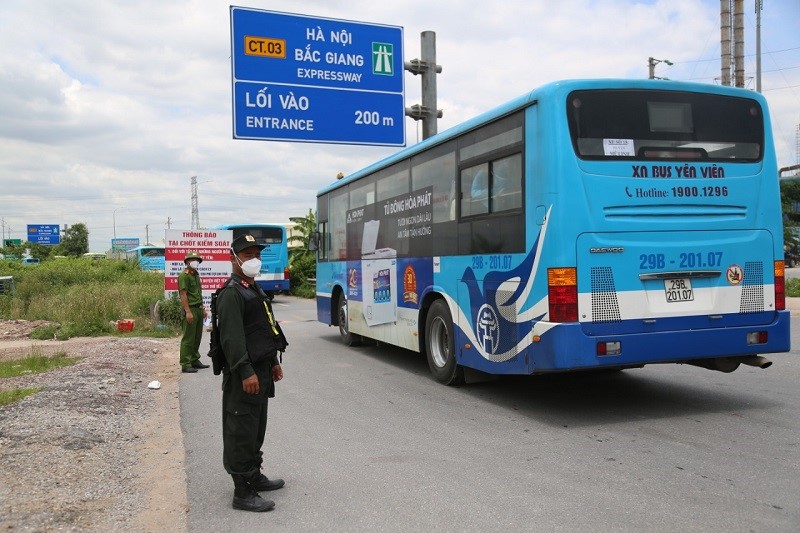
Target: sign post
(299,78)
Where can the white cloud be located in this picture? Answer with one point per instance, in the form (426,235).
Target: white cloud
(107,109)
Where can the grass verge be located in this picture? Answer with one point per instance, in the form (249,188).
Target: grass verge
(34,363)
(14,395)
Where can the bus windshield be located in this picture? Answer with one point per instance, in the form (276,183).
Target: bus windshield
(613,124)
(148,257)
(152,252)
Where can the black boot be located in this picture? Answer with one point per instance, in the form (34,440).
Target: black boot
(261,483)
(247,499)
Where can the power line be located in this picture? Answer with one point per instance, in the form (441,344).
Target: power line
(767,52)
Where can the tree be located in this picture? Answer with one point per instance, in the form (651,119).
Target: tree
(18,251)
(75,241)
(790,205)
(13,251)
(39,251)
(304,227)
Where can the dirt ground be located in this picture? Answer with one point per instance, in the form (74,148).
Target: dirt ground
(95,449)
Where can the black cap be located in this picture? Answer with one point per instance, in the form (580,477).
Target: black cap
(245,241)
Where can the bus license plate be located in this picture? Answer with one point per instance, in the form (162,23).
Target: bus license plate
(678,290)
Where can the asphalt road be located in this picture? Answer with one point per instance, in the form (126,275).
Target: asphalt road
(367,441)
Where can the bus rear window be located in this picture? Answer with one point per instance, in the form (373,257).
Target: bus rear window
(263,235)
(628,124)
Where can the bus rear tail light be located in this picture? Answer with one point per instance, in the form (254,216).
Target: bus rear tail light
(780,286)
(562,291)
(609,348)
(757,337)
(286,273)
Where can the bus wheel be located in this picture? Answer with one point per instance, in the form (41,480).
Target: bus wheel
(349,339)
(439,345)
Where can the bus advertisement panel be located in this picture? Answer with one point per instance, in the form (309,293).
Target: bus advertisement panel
(589,224)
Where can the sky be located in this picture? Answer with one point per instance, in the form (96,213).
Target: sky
(107,109)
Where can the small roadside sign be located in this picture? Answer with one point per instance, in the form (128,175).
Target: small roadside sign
(122,244)
(212,245)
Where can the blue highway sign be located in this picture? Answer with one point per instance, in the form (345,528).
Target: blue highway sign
(310,79)
(44,233)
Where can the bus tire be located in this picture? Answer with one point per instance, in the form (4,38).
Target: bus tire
(439,345)
(349,339)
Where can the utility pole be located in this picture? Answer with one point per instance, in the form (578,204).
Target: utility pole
(732,27)
(147,233)
(725,41)
(195,214)
(427,67)
(759,7)
(169,223)
(4,226)
(738,43)
(651,64)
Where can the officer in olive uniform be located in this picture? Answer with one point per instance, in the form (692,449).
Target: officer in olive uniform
(251,340)
(191,295)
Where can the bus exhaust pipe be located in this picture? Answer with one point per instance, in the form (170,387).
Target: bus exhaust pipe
(729,364)
(756,360)
(720,364)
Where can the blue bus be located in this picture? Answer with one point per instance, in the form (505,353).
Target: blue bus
(274,276)
(588,224)
(148,257)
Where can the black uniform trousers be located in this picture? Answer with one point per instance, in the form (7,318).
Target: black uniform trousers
(244,421)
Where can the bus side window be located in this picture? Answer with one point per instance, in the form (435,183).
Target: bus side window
(507,183)
(475,190)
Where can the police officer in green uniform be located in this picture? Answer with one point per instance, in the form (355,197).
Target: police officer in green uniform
(251,339)
(191,296)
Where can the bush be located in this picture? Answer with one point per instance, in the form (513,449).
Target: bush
(170,311)
(84,297)
(793,287)
(303,269)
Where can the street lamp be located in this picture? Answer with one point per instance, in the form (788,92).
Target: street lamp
(114,220)
(652,62)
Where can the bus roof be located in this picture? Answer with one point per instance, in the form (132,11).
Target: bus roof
(145,247)
(250,225)
(546,91)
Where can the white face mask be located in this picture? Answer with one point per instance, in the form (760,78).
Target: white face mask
(251,267)
(194,264)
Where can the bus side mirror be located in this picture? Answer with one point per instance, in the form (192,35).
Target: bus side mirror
(313,241)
